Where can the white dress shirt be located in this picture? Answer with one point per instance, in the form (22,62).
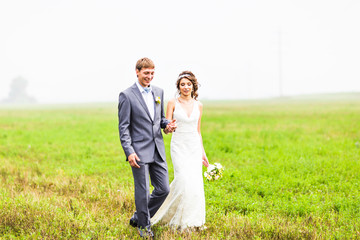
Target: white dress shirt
(148,98)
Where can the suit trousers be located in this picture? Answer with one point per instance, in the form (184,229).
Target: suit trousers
(147,204)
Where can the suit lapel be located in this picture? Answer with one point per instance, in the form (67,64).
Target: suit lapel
(155,104)
(140,98)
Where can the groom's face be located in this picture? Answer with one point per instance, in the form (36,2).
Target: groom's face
(145,76)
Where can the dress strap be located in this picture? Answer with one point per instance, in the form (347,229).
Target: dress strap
(176,102)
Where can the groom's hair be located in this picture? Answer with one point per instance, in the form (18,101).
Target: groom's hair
(144,63)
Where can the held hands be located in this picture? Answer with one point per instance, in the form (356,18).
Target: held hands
(133,158)
(170,127)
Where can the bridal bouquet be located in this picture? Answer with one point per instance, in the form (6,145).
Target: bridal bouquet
(214,172)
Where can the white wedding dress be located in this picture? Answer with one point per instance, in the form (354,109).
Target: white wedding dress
(184,207)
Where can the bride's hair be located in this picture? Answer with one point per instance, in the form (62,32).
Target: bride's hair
(191,77)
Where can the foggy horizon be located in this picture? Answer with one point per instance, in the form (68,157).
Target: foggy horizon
(85,51)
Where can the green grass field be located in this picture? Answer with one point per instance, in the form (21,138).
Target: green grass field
(291,172)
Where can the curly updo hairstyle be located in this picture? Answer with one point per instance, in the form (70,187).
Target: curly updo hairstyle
(191,77)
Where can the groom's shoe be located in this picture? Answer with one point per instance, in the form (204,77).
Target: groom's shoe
(133,223)
(145,233)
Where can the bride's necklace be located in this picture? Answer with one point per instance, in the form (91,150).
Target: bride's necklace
(186,101)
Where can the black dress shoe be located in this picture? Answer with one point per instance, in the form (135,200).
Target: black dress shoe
(133,223)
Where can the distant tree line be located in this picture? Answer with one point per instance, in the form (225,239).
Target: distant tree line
(18,92)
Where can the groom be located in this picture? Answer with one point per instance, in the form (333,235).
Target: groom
(141,117)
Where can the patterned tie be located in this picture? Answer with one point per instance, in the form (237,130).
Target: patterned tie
(147,89)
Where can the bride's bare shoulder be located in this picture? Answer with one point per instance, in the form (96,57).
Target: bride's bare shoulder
(171,102)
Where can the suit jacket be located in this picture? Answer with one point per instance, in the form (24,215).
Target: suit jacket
(138,132)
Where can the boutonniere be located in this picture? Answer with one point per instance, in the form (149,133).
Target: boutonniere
(158,100)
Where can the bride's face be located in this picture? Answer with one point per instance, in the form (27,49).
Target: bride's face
(185,87)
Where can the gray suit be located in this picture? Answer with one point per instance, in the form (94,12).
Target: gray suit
(142,135)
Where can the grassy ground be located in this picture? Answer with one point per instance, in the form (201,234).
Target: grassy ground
(291,172)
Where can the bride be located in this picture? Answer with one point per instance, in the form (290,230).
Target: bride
(184,207)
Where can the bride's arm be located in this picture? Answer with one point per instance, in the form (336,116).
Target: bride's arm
(170,109)
(169,114)
(204,158)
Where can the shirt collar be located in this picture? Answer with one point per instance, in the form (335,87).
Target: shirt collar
(141,88)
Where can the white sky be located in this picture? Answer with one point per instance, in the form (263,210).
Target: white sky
(86,50)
